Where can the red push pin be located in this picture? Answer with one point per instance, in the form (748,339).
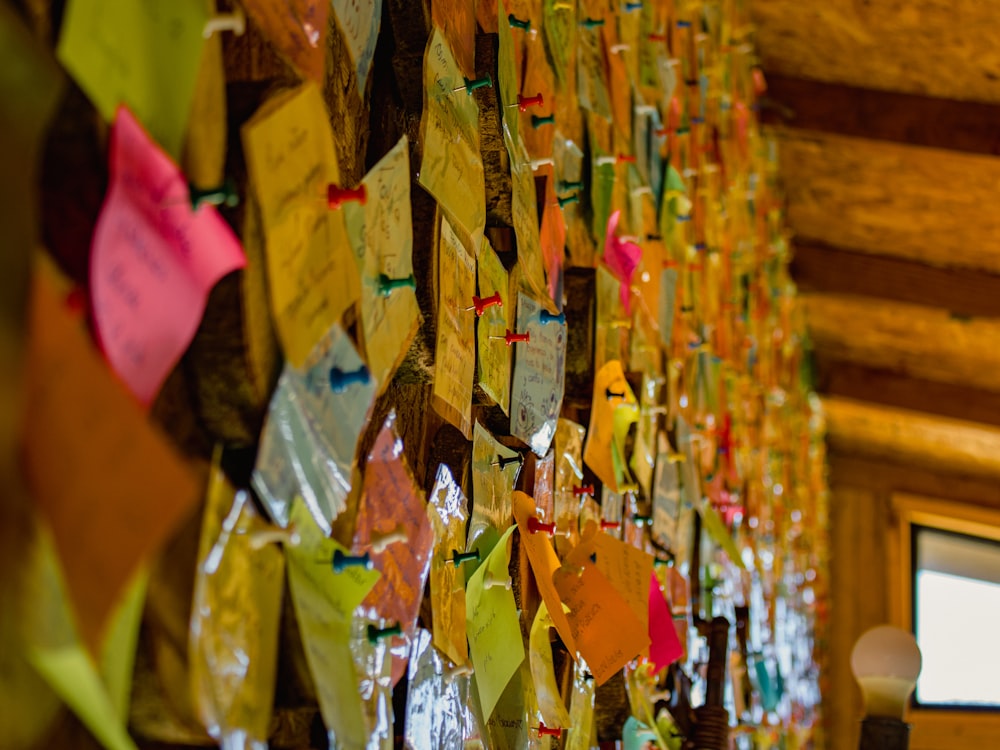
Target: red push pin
(608,525)
(626,159)
(662,132)
(336,196)
(544,731)
(481,304)
(657,37)
(510,337)
(586,489)
(534,526)
(523,102)
(759,82)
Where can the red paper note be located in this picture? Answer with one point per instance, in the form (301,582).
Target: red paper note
(153,261)
(665,647)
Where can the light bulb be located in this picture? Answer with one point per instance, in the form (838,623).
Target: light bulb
(886,663)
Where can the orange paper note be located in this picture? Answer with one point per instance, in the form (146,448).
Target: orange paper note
(153,261)
(613,406)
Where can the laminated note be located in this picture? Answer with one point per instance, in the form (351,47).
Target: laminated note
(492,624)
(79,416)
(359,20)
(435,706)
(492,485)
(456,340)
(324,602)
(494,357)
(144,55)
(311,275)
(451,168)
(539,376)
(613,409)
(569,486)
(446,508)
(550,703)
(581,710)
(153,261)
(381,234)
(312,429)
(297,29)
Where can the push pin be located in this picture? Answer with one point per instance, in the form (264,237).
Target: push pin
(620,323)
(341,380)
(379,542)
(510,337)
(662,132)
(562,5)
(458,670)
(656,36)
(534,526)
(545,317)
(471,84)
(504,461)
(544,731)
(617,49)
(264,537)
(640,519)
(376,634)
(683,217)
(337,196)
(481,304)
(580,490)
(223,195)
(593,557)
(457,558)
(592,23)
(566,185)
(537,121)
(523,102)
(517,23)
(235,22)
(566,200)
(626,158)
(610,394)
(546,161)
(629,7)
(603,161)
(645,110)
(341,561)
(386,285)
(662,561)
(490,581)
(683,24)
(608,526)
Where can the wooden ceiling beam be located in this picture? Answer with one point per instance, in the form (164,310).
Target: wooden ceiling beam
(820,268)
(970,127)
(917,204)
(905,437)
(910,340)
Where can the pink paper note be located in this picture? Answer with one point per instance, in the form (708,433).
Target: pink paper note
(622,258)
(665,647)
(153,261)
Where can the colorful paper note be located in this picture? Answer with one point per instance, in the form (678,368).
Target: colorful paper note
(524,211)
(560,28)
(311,432)
(77,412)
(494,357)
(451,168)
(568,447)
(297,29)
(139,54)
(665,647)
(446,508)
(153,261)
(581,711)
(492,485)
(550,702)
(612,409)
(381,233)
(508,85)
(666,495)
(627,568)
(291,161)
(456,339)
(622,258)
(539,376)
(359,21)
(492,625)
(592,73)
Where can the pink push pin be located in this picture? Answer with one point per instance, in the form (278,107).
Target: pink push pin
(586,489)
(534,526)
(336,196)
(481,304)
(510,337)
(544,731)
(609,525)
(523,102)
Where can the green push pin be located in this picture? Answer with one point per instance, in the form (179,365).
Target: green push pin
(565,201)
(223,195)
(640,519)
(517,23)
(386,285)
(471,84)
(592,23)
(537,122)
(565,185)
(457,558)
(376,634)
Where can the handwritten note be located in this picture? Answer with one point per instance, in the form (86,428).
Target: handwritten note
(524,210)
(359,20)
(297,29)
(454,352)
(144,55)
(494,357)
(494,634)
(76,411)
(446,510)
(539,377)
(627,568)
(550,702)
(311,433)
(452,169)
(381,233)
(152,264)
(491,488)
(665,647)
(560,28)
(291,161)
(507,68)
(613,407)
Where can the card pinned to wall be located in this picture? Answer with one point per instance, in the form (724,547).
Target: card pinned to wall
(457,21)
(524,211)
(153,261)
(446,508)
(494,357)
(665,646)
(550,702)
(613,409)
(359,21)
(495,469)
(297,29)
(622,257)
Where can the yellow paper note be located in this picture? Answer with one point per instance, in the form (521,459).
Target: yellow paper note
(524,210)
(492,625)
(446,508)
(452,169)
(581,713)
(550,702)
(145,55)
(605,437)
(454,352)
(359,22)
(539,375)
(381,233)
(508,86)
(324,603)
(568,446)
(494,356)
(666,495)
(612,329)
(291,161)
(492,485)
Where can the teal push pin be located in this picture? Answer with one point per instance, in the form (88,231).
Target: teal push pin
(517,23)
(566,185)
(537,122)
(341,561)
(471,84)
(457,558)
(640,519)
(376,634)
(592,23)
(386,285)
(633,6)
(340,380)
(545,317)
(565,201)
(223,195)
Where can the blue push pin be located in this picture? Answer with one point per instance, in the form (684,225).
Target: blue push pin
(340,380)
(633,6)
(545,317)
(386,285)
(341,561)
(376,634)
(592,23)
